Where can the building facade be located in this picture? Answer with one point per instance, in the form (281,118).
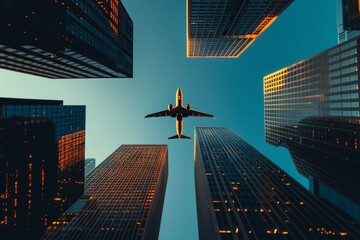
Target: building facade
(241,194)
(225,28)
(325,151)
(312,108)
(326,84)
(351,17)
(89,165)
(42,148)
(66,39)
(348,19)
(123,198)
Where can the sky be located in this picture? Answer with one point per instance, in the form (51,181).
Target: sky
(231,89)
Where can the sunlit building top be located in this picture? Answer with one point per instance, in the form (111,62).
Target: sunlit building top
(225,28)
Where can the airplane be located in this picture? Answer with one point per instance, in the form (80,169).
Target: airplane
(179,112)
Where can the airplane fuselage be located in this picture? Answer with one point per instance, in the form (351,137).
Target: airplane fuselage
(179,101)
(179,112)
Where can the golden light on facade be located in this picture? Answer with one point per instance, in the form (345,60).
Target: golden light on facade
(187,30)
(259,22)
(71,149)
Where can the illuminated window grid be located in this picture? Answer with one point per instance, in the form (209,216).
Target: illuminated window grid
(227,28)
(67,120)
(122,188)
(22,175)
(326,150)
(242,195)
(326,84)
(71,149)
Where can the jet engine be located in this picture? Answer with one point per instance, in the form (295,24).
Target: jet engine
(188,107)
(170,107)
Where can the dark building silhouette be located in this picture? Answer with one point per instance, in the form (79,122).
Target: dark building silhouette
(241,194)
(123,198)
(67,38)
(326,152)
(89,165)
(351,14)
(41,164)
(28,177)
(226,28)
(312,108)
(348,19)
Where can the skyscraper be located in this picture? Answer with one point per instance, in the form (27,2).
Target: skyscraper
(123,197)
(325,151)
(89,165)
(351,14)
(312,108)
(41,164)
(241,194)
(225,28)
(66,39)
(348,19)
(27,177)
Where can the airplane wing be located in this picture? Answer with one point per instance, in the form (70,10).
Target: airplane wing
(195,113)
(159,114)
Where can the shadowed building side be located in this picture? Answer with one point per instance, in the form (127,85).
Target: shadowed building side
(243,195)
(123,198)
(28,172)
(66,181)
(207,224)
(66,39)
(326,152)
(348,19)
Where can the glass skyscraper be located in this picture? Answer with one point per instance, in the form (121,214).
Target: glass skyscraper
(42,148)
(225,28)
(348,19)
(66,39)
(312,108)
(241,194)
(123,198)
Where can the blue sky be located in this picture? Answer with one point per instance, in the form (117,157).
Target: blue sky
(231,89)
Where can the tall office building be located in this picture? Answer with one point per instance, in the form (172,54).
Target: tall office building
(89,165)
(312,108)
(241,194)
(351,14)
(67,38)
(348,19)
(225,28)
(123,198)
(41,164)
(27,172)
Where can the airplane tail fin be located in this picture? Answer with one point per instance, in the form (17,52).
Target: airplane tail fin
(182,136)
